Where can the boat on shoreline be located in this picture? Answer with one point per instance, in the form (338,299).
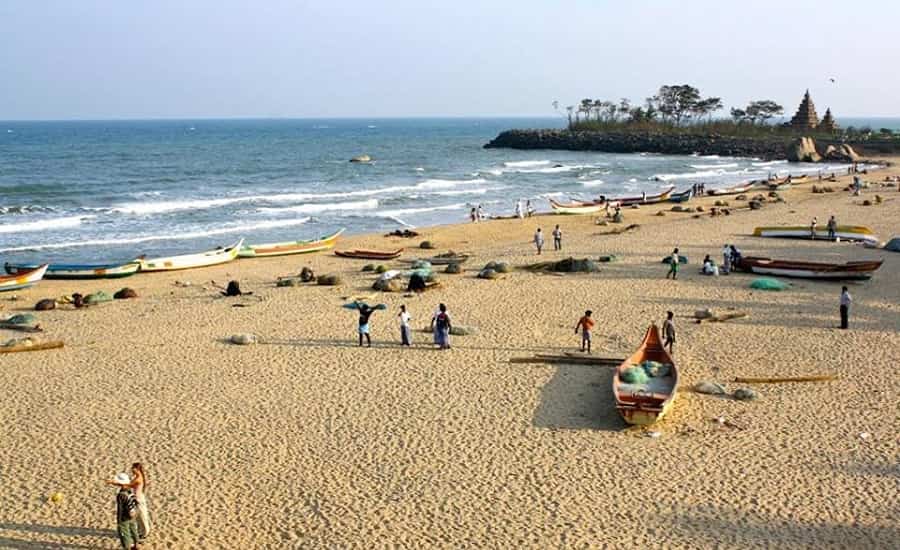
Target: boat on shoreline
(576,207)
(737,189)
(440,260)
(22,280)
(645,403)
(189,261)
(810,270)
(79,271)
(843,232)
(684,196)
(289,247)
(648,199)
(363,254)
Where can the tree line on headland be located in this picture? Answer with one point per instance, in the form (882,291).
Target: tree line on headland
(681,108)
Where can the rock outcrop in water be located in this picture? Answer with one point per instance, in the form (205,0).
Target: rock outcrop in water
(646,142)
(776,147)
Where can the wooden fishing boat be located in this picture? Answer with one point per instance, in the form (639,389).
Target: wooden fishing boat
(734,190)
(441,260)
(291,247)
(362,254)
(576,207)
(190,261)
(22,280)
(649,199)
(810,270)
(843,232)
(646,403)
(80,271)
(684,196)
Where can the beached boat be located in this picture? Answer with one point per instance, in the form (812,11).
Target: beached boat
(290,247)
(190,261)
(576,207)
(810,270)
(648,199)
(79,271)
(735,190)
(440,260)
(362,254)
(646,403)
(21,280)
(684,196)
(843,232)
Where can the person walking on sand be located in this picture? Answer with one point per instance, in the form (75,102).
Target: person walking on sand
(538,240)
(832,228)
(673,266)
(557,238)
(529,210)
(479,214)
(812,228)
(138,484)
(846,300)
(473,215)
(126,513)
(364,313)
(669,332)
(441,326)
(519,213)
(726,259)
(585,324)
(405,331)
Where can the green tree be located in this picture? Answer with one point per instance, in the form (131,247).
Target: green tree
(706,107)
(677,102)
(759,112)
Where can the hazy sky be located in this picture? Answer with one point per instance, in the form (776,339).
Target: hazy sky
(203,58)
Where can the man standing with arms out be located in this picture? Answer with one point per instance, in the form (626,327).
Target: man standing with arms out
(557,238)
(405,332)
(846,300)
(669,332)
(832,227)
(126,514)
(538,240)
(585,324)
(364,313)
(673,266)
(812,228)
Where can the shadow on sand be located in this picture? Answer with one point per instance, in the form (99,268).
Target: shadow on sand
(578,397)
(22,544)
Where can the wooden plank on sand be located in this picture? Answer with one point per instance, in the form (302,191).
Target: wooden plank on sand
(780,380)
(34,347)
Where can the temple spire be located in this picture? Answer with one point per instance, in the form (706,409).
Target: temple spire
(806,117)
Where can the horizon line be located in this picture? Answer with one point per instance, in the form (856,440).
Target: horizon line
(350,117)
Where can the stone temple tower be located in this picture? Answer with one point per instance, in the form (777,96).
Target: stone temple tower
(828,124)
(806,117)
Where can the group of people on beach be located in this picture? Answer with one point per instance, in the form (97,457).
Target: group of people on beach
(477,214)
(132,513)
(698,189)
(525,211)
(441,325)
(538,239)
(585,326)
(831,226)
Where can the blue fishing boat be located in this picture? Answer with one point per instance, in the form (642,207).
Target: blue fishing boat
(80,271)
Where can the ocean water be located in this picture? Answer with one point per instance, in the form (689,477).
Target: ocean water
(112,190)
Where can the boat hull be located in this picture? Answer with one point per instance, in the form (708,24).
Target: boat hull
(191,261)
(650,199)
(289,248)
(22,280)
(576,208)
(80,271)
(843,232)
(639,407)
(684,196)
(369,254)
(811,270)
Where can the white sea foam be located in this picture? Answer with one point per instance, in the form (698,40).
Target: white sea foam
(43,225)
(770,163)
(268,224)
(407,211)
(592,183)
(314,208)
(443,184)
(525,163)
(159,207)
(698,174)
(713,166)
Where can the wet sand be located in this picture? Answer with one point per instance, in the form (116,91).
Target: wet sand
(307,441)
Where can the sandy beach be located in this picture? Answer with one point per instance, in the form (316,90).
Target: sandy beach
(307,441)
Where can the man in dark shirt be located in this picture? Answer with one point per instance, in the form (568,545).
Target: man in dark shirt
(126,526)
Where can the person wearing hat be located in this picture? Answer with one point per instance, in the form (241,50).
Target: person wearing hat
(126,512)
(136,483)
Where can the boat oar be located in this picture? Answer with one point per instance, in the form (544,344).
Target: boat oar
(780,380)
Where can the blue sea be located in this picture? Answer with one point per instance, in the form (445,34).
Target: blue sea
(112,190)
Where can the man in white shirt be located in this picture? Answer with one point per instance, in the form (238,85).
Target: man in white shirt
(405,331)
(846,300)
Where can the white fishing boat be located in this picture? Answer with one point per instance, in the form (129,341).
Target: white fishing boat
(576,207)
(190,261)
(23,279)
(843,232)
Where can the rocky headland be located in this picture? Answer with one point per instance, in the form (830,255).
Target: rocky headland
(775,147)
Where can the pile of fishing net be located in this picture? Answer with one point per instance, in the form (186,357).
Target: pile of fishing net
(641,373)
(767,283)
